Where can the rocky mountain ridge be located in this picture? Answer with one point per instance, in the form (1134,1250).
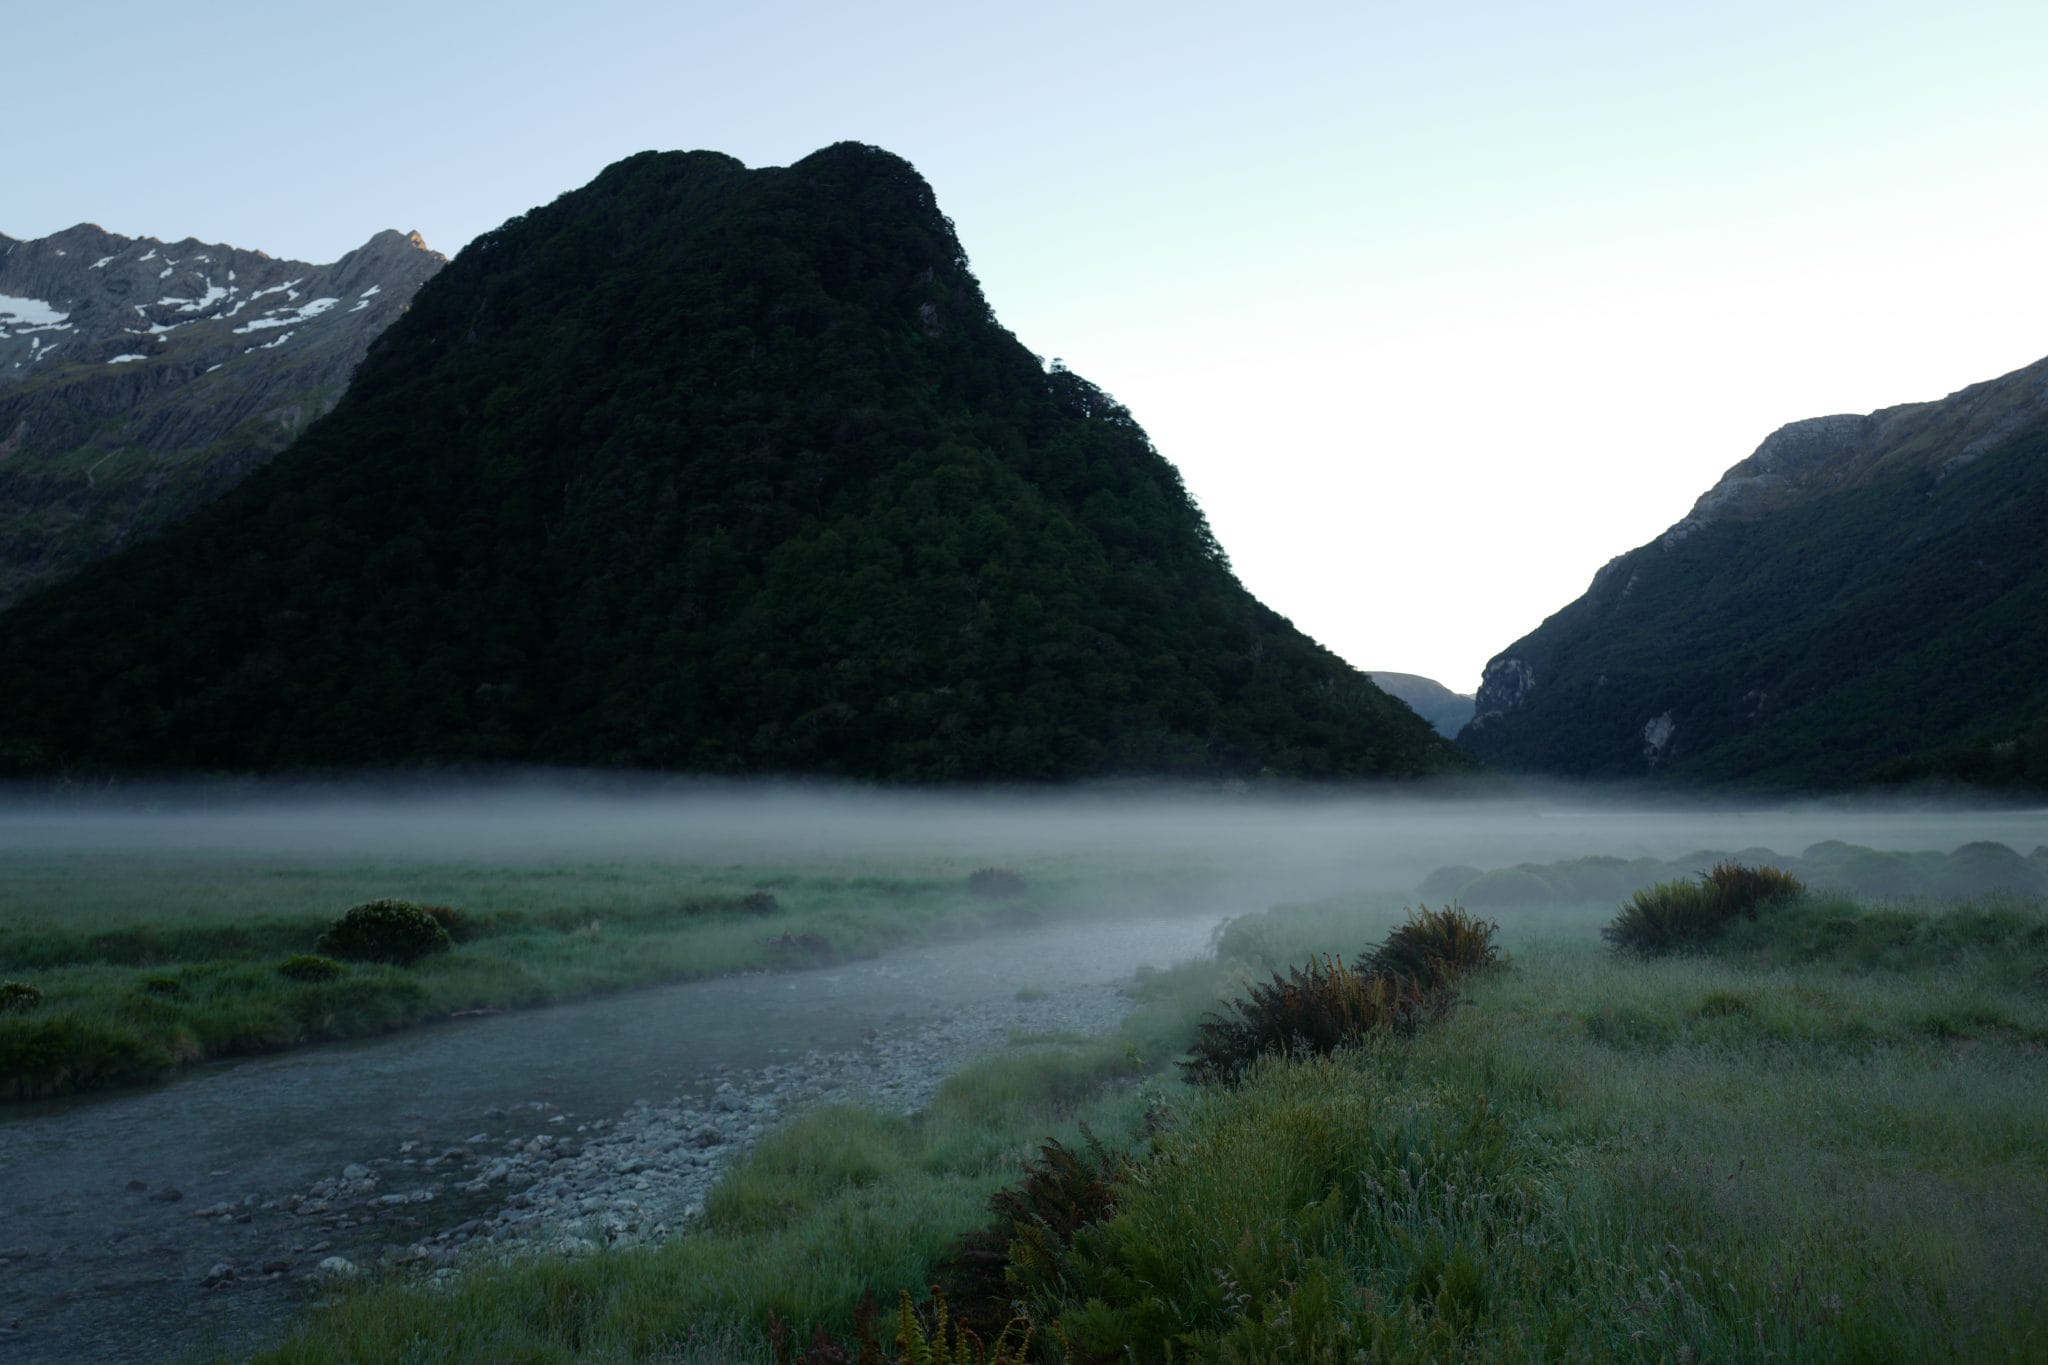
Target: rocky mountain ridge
(1818,455)
(1861,600)
(139,378)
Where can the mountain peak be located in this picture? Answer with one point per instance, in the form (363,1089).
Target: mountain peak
(712,469)
(139,377)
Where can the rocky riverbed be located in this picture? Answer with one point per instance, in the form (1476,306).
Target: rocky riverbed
(535,1180)
(197,1218)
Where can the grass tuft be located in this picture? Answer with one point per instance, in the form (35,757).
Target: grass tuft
(1673,917)
(1436,947)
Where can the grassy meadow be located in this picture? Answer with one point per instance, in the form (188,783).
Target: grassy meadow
(148,961)
(1817,1138)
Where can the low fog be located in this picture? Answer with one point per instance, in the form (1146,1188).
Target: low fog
(1293,843)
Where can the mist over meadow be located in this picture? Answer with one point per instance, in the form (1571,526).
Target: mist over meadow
(1292,842)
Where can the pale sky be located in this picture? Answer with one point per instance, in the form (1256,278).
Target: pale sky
(1436,307)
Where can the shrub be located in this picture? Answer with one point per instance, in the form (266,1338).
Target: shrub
(1666,918)
(19,997)
(997,883)
(167,986)
(1674,916)
(760,903)
(62,1053)
(458,925)
(1063,1191)
(1744,890)
(1983,867)
(1436,947)
(392,931)
(307,967)
(1308,1012)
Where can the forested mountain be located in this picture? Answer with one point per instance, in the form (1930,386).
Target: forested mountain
(1864,599)
(1446,711)
(139,378)
(709,469)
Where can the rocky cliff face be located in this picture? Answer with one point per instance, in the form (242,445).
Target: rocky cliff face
(139,378)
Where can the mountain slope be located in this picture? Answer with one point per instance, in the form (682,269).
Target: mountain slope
(1446,711)
(709,469)
(1863,599)
(139,378)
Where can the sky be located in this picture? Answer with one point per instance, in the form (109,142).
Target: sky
(1437,308)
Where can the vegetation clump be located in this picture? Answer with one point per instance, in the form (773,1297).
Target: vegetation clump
(168,987)
(1404,982)
(19,997)
(309,967)
(1020,1252)
(996,883)
(931,1337)
(1309,1011)
(459,926)
(1436,947)
(760,903)
(394,931)
(1675,917)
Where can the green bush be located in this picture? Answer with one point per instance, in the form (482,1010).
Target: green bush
(1984,867)
(458,925)
(168,987)
(19,997)
(1312,1011)
(308,967)
(398,932)
(1744,890)
(1063,1191)
(1436,947)
(1677,916)
(760,903)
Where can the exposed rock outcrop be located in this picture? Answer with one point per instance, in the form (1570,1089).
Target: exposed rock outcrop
(139,378)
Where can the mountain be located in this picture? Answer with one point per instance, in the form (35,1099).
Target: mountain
(139,378)
(1446,711)
(709,469)
(1863,599)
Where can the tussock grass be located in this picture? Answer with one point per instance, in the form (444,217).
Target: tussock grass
(1736,1156)
(1685,916)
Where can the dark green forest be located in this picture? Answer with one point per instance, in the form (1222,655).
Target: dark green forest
(1887,632)
(706,469)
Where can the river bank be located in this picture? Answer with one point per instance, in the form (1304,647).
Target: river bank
(253,1175)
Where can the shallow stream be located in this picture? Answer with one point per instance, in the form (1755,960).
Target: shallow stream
(93,1269)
